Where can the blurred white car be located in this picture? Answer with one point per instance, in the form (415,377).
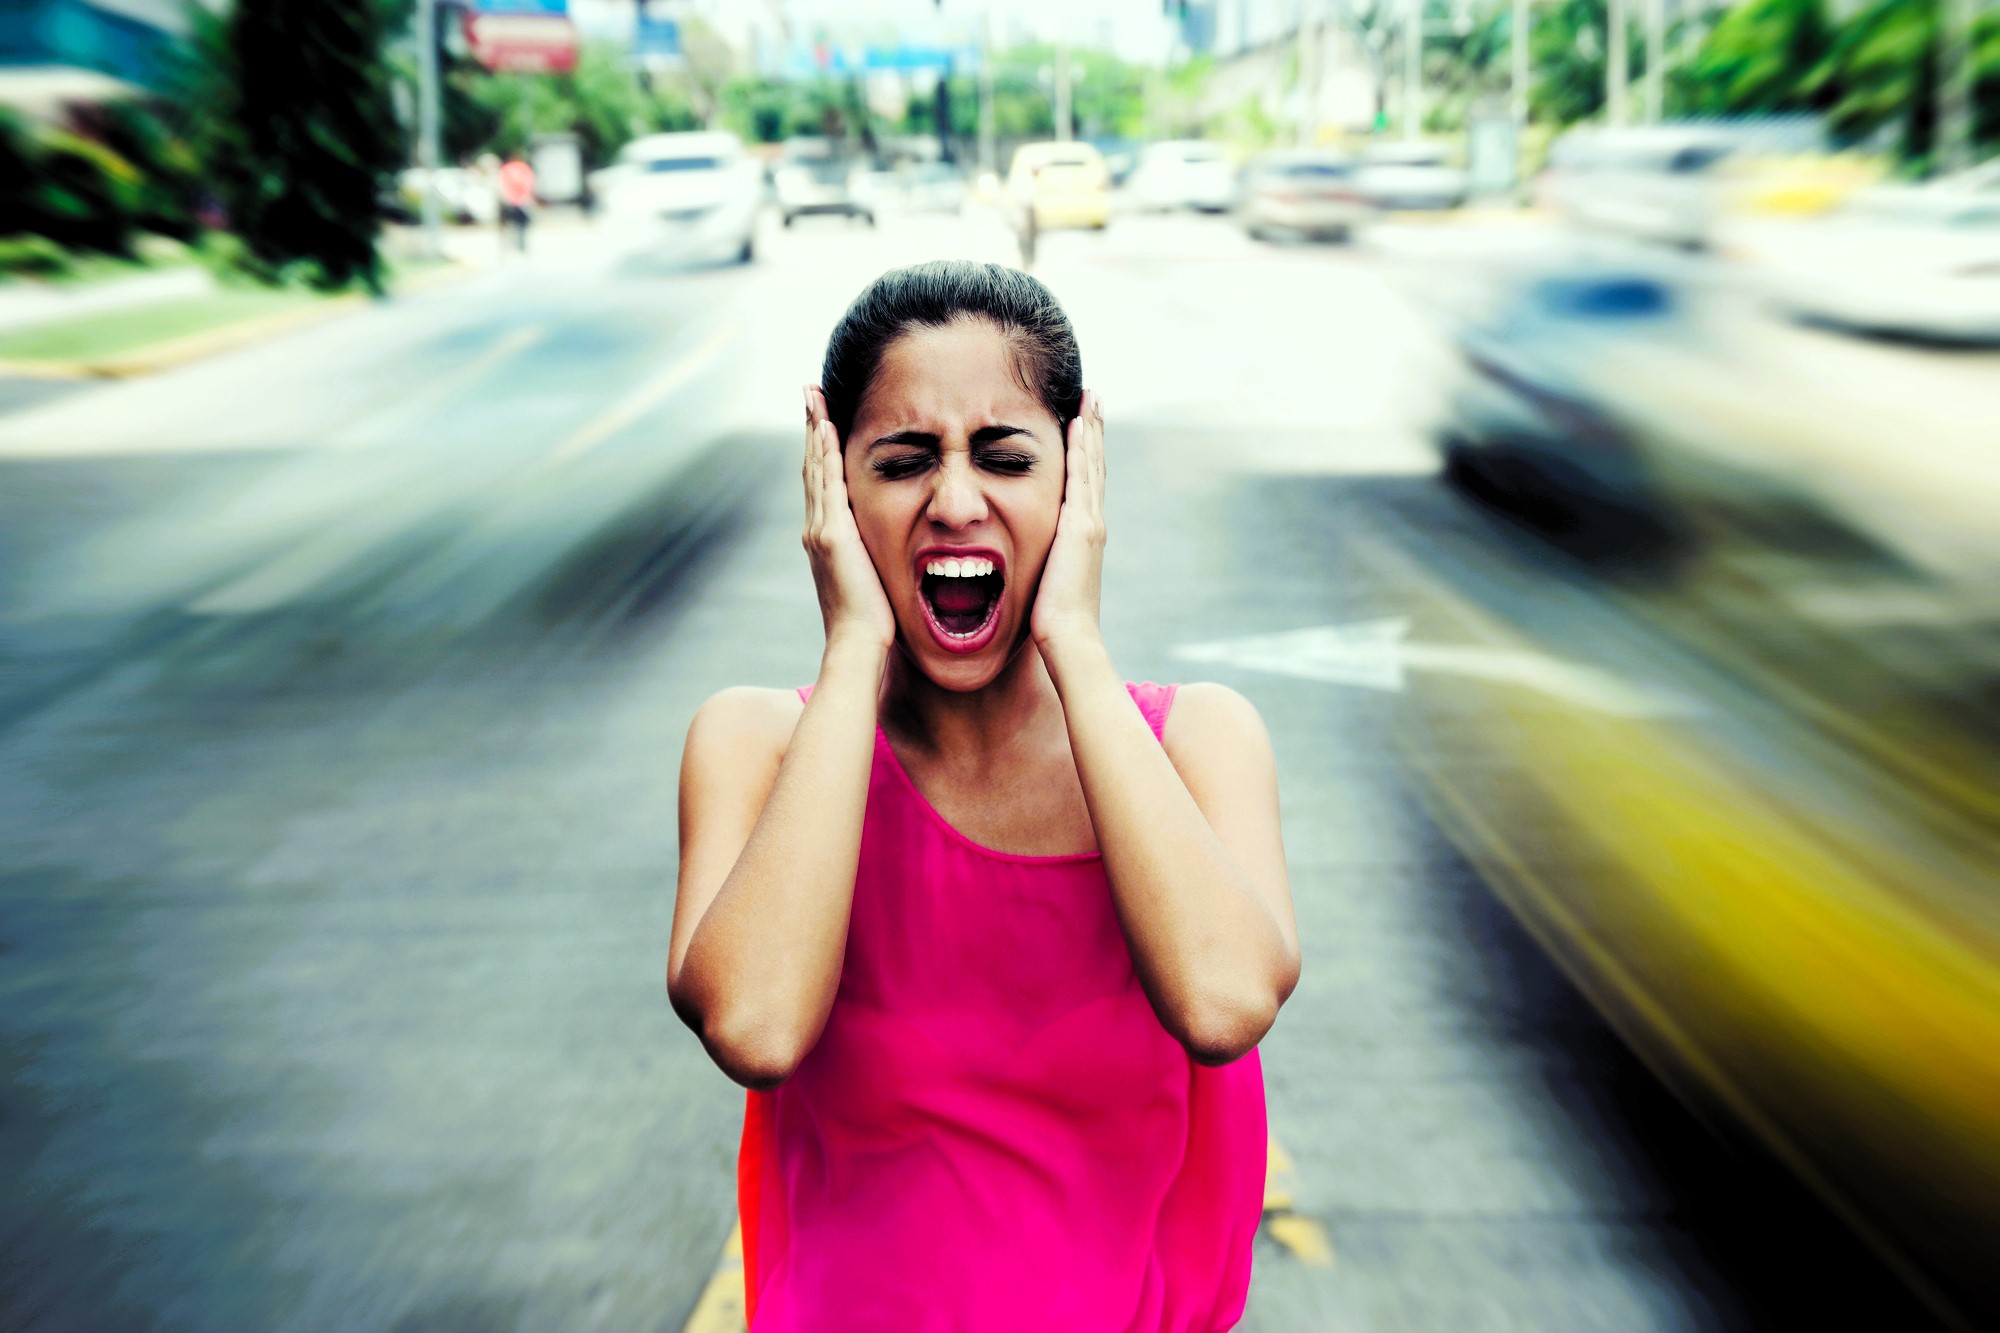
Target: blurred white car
(814,177)
(1659,183)
(1189,173)
(1304,192)
(701,187)
(463,196)
(1407,176)
(1913,261)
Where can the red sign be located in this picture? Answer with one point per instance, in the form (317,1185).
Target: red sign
(522,43)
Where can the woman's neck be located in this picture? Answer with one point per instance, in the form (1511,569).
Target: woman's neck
(1016,707)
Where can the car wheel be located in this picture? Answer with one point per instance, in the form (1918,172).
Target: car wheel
(788,219)
(868,218)
(748,252)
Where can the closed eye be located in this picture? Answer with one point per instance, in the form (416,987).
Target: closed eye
(896,466)
(1014,464)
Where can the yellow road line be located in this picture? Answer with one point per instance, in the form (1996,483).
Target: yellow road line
(720,1307)
(1304,1238)
(642,399)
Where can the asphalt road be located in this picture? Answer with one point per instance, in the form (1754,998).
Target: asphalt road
(342,685)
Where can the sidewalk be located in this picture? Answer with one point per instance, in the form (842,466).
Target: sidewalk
(23,304)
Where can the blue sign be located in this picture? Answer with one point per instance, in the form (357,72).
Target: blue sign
(807,60)
(559,8)
(656,37)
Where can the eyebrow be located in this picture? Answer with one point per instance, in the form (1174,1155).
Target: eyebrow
(926,440)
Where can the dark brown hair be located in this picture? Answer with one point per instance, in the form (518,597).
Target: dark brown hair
(933,295)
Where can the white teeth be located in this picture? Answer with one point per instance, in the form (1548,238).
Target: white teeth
(971,568)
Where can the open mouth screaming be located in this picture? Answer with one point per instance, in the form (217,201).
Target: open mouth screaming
(962,597)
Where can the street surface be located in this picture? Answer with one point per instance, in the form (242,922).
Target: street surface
(342,687)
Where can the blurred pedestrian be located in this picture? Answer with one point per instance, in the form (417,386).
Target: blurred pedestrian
(991,934)
(517,197)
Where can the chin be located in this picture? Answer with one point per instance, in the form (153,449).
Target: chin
(959,668)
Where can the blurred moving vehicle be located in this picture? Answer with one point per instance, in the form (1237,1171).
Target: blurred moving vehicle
(1305,192)
(701,186)
(1969,198)
(1058,185)
(1778,881)
(1184,173)
(464,196)
(1919,263)
(813,178)
(1411,176)
(1659,183)
(934,187)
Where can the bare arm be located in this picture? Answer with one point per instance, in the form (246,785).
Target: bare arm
(771,806)
(1189,831)
(1192,847)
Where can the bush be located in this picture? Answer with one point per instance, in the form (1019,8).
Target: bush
(170,189)
(33,257)
(82,194)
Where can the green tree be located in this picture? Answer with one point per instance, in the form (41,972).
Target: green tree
(304,136)
(1762,58)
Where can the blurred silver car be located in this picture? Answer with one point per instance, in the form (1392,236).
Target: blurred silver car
(1659,183)
(702,187)
(1304,192)
(1409,176)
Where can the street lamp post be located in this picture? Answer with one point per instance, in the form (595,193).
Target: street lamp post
(1062,92)
(1518,73)
(1413,69)
(1656,60)
(1616,74)
(427,122)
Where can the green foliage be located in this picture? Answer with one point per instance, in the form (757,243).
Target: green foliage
(72,190)
(304,139)
(169,188)
(602,102)
(34,257)
(1761,58)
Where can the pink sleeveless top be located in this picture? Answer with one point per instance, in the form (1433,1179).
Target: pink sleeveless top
(994,1131)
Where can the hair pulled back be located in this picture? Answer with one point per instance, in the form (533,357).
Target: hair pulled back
(1038,333)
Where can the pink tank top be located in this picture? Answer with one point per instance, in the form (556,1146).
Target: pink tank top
(994,1131)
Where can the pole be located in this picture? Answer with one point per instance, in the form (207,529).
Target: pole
(1952,151)
(427,122)
(1413,69)
(1518,76)
(989,153)
(1308,58)
(1656,60)
(1615,74)
(1062,92)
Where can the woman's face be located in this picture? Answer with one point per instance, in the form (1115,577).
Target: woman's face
(955,475)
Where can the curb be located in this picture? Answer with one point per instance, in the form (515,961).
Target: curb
(178,352)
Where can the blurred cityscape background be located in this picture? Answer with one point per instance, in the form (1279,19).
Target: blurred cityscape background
(1574,423)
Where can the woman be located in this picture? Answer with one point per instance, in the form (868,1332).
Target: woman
(990,935)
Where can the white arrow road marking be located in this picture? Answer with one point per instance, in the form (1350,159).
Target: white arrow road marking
(1376,655)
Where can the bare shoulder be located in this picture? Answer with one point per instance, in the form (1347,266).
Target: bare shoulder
(1210,721)
(743,728)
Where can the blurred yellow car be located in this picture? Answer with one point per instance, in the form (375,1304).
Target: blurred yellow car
(1061,185)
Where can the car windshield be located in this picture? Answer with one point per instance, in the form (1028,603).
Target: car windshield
(1317,170)
(685,164)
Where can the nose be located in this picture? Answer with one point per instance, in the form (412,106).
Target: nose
(956,499)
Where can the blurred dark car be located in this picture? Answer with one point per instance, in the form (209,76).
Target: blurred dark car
(1308,193)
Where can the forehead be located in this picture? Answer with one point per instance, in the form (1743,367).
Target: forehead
(934,377)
